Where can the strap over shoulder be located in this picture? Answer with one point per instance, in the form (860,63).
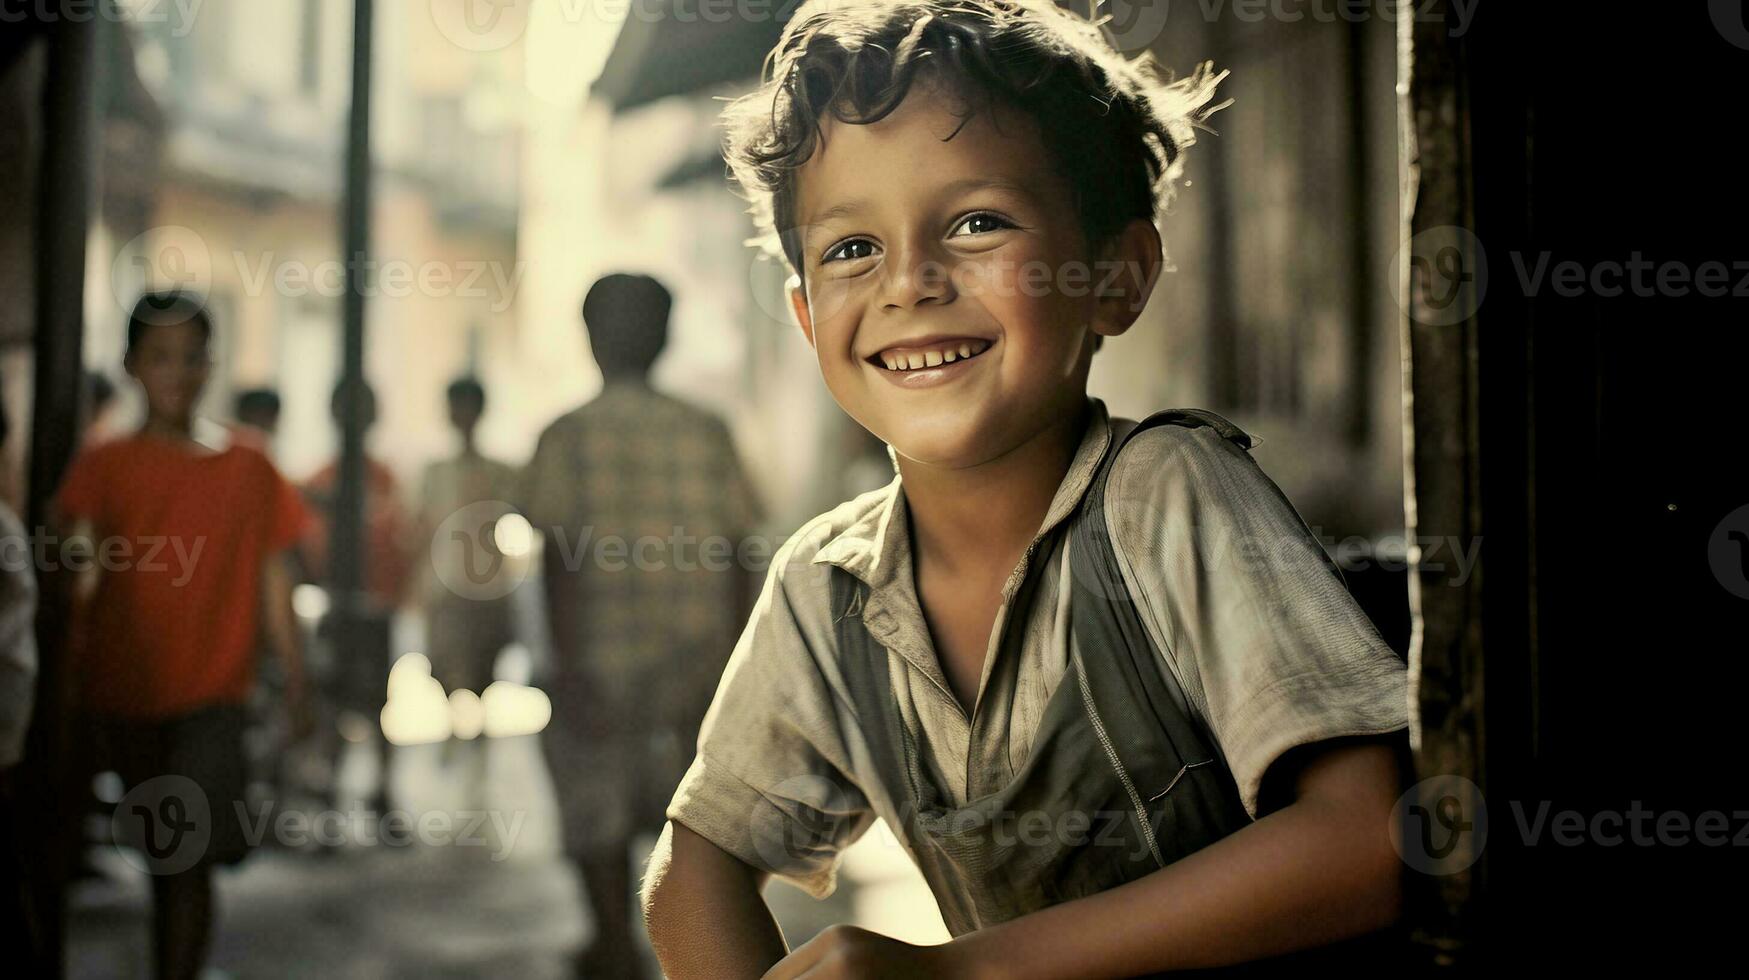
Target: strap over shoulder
(1189,418)
(1193,417)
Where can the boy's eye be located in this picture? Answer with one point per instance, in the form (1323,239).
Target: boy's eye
(981,223)
(855,248)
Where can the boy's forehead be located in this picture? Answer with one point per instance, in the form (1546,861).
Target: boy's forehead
(173,332)
(174,339)
(927,143)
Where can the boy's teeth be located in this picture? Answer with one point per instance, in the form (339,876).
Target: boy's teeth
(932,358)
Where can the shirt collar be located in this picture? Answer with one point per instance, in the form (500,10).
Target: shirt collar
(876,547)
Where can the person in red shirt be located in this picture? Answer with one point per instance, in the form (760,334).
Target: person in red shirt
(355,685)
(180,557)
(388,523)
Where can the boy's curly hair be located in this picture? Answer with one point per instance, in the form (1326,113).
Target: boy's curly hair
(1115,129)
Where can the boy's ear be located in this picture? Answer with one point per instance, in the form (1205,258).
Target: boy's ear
(1133,261)
(798,302)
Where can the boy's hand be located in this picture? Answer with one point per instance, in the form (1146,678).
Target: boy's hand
(848,951)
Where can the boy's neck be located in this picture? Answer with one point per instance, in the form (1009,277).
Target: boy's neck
(161,427)
(980,518)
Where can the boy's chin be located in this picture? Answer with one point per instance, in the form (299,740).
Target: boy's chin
(956,444)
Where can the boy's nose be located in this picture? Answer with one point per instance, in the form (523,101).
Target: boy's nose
(914,276)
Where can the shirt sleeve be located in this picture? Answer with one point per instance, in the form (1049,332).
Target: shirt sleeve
(81,496)
(770,782)
(1246,607)
(289,517)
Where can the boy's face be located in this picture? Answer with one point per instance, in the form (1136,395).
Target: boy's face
(171,363)
(464,414)
(915,246)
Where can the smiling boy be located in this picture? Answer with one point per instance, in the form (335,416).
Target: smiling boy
(966,192)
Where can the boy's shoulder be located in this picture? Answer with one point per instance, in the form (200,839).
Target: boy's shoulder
(1191,460)
(1180,441)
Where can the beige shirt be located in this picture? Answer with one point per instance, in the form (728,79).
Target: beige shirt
(639,495)
(1233,589)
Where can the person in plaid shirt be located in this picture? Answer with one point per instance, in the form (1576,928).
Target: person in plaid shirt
(642,505)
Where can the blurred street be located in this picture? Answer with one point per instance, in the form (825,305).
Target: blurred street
(389,913)
(375,911)
(508,906)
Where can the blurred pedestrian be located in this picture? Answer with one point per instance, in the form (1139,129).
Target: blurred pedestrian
(193,544)
(356,682)
(388,528)
(641,503)
(468,619)
(257,415)
(99,409)
(465,627)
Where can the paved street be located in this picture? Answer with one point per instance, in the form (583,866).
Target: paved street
(508,906)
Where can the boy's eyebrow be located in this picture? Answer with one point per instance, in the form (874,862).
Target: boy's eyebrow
(987,183)
(835,211)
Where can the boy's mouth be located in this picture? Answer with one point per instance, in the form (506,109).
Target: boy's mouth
(928,352)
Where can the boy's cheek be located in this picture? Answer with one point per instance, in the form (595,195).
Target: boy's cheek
(829,300)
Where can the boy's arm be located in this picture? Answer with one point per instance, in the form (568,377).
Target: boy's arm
(1318,870)
(280,625)
(769,791)
(704,910)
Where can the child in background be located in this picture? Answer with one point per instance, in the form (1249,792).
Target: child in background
(1195,769)
(467,623)
(355,684)
(190,559)
(257,418)
(464,630)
